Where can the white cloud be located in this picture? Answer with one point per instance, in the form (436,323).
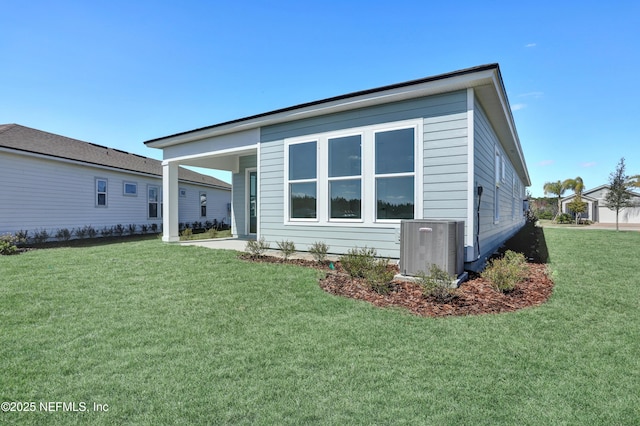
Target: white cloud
(545,163)
(517,107)
(534,95)
(588,164)
(530,45)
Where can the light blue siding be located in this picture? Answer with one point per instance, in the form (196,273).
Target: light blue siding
(445,139)
(239,213)
(492,234)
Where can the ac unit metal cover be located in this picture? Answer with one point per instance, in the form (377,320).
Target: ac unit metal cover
(431,242)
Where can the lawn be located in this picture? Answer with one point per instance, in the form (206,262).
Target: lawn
(166,334)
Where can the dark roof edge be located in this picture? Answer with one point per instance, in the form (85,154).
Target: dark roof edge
(346,96)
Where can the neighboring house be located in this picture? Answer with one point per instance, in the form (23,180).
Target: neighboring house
(346,170)
(51,182)
(597,210)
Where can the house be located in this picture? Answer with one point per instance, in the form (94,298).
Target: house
(347,170)
(51,182)
(597,210)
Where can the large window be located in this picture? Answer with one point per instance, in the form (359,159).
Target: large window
(360,175)
(345,183)
(303,180)
(394,174)
(101,192)
(130,189)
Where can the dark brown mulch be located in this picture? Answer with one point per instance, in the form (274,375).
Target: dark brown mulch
(474,297)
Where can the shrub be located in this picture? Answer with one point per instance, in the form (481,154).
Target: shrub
(186,233)
(91,231)
(154,227)
(144,228)
(106,231)
(118,230)
(131,228)
(63,234)
(287,248)
(22,236)
(437,284)
(506,272)
(8,244)
(40,236)
(257,248)
(564,218)
(319,251)
(213,232)
(81,232)
(362,263)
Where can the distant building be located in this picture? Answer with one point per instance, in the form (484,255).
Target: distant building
(51,182)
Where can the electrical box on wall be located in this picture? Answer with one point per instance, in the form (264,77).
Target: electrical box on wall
(431,242)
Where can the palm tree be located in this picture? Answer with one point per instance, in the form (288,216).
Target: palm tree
(576,185)
(556,188)
(634,181)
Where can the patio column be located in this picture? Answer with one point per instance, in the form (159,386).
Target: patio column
(170,202)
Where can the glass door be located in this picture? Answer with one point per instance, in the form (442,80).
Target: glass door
(253,202)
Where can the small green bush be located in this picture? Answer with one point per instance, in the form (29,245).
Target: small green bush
(131,228)
(319,251)
(186,233)
(437,283)
(363,263)
(506,272)
(63,234)
(118,230)
(9,244)
(287,248)
(212,232)
(564,218)
(257,248)
(40,236)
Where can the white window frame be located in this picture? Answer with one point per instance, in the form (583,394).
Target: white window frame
(200,205)
(367,177)
(124,189)
(325,162)
(105,192)
(158,202)
(288,182)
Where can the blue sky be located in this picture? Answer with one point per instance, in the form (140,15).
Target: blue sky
(117,73)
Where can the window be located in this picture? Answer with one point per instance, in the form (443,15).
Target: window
(394,174)
(345,183)
(153,201)
(101,192)
(203,204)
(303,180)
(363,175)
(499,177)
(182,193)
(130,189)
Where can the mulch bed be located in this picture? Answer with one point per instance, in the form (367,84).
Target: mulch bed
(474,297)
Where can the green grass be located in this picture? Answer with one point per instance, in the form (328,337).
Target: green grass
(165,334)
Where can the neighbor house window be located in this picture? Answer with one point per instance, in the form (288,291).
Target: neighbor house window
(395,174)
(345,180)
(303,180)
(182,193)
(101,192)
(154,201)
(203,204)
(130,189)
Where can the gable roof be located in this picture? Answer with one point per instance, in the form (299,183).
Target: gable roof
(486,80)
(26,139)
(596,189)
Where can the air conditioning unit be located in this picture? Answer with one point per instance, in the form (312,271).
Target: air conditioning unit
(431,242)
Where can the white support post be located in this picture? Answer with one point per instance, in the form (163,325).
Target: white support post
(170,202)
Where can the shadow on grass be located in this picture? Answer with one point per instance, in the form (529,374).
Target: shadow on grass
(529,241)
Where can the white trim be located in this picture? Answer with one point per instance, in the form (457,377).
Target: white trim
(105,192)
(472,197)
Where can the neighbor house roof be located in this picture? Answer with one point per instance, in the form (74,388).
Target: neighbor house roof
(486,80)
(26,139)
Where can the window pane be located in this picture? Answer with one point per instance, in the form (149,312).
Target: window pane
(153,210)
(102,186)
(394,151)
(153,195)
(345,156)
(395,197)
(130,188)
(102,199)
(345,199)
(303,200)
(302,161)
